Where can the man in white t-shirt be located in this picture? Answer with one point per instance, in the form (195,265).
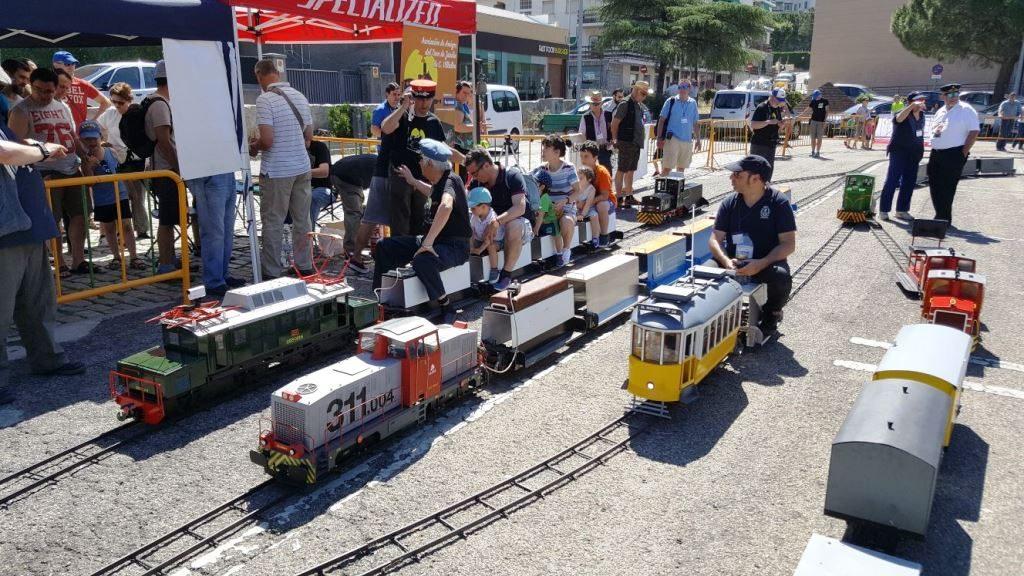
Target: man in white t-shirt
(285,131)
(955,128)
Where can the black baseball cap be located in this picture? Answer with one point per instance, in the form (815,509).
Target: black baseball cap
(950,88)
(754,164)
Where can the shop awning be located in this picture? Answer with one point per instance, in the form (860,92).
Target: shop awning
(340,21)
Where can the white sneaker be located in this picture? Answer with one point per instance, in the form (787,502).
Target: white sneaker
(904,215)
(566,257)
(883,215)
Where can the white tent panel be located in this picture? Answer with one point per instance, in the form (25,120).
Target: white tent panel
(206,140)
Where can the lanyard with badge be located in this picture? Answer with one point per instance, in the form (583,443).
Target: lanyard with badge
(744,244)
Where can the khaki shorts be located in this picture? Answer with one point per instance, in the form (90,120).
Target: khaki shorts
(678,153)
(817,129)
(629,156)
(69,200)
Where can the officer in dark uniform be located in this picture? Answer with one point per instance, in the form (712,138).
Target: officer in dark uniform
(955,128)
(905,152)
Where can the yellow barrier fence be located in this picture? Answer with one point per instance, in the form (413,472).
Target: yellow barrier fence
(125,283)
(348,146)
(725,137)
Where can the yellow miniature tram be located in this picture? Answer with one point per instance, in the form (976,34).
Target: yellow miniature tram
(681,333)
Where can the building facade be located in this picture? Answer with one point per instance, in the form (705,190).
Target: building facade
(869,53)
(793,5)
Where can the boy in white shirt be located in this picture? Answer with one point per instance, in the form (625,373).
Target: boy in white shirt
(487,233)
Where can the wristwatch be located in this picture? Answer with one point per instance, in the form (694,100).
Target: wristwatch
(42,150)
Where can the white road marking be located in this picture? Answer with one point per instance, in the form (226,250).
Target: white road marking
(967,384)
(978,360)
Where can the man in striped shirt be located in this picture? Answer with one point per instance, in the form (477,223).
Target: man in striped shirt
(285,131)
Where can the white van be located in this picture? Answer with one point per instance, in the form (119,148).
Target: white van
(502,111)
(736,104)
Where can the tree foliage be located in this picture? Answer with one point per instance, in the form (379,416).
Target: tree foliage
(986,33)
(792,31)
(699,33)
(43,56)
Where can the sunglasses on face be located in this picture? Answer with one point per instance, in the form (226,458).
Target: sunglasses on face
(952,94)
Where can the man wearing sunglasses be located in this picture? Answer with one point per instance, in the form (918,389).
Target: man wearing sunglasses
(955,130)
(596,127)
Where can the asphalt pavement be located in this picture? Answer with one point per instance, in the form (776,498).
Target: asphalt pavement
(732,484)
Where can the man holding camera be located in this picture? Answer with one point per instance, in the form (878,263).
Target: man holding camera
(678,131)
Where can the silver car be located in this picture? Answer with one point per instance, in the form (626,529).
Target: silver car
(141,76)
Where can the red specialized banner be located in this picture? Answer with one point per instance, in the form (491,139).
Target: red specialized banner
(288,21)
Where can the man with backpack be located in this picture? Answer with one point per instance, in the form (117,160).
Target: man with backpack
(285,131)
(678,131)
(509,201)
(628,137)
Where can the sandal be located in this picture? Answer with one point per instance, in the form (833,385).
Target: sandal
(138,264)
(85,268)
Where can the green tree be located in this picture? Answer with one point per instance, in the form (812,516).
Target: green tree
(642,28)
(700,33)
(792,31)
(717,35)
(985,33)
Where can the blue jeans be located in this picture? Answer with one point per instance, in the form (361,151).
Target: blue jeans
(902,174)
(1019,144)
(397,251)
(215,207)
(321,199)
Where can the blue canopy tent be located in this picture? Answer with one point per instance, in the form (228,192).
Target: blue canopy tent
(199,39)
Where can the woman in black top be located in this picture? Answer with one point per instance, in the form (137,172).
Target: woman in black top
(905,151)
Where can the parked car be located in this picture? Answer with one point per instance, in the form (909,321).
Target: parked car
(854,90)
(989,120)
(502,111)
(834,123)
(736,104)
(141,76)
(978,100)
(568,121)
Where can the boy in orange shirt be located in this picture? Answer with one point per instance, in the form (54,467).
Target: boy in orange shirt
(604,196)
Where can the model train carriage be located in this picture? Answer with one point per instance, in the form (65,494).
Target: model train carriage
(257,324)
(923,260)
(682,332)
(404,368)
(858,198)
(954,298)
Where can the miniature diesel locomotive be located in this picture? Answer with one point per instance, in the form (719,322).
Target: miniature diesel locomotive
(404,370)
(885,459)
(684,330)
(209,350)
(672,198)
(858,198)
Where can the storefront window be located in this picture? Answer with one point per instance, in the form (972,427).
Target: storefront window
(527,77)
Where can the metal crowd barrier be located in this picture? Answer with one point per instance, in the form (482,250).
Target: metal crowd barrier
(124,283)
(991,129)
(349,146)
(725,137)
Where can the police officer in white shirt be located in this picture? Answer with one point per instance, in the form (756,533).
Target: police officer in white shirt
(955,128)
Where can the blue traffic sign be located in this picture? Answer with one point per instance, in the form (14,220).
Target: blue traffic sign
(937,69)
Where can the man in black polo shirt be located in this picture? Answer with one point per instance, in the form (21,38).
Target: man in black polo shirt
(446,244)
(764,123)
(509,202)
(755,231)
(403,129)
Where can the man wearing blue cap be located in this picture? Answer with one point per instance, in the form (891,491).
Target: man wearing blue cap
(818,109)
(768,116)
(81,91)
(678,131)
(446,243)
(755,231)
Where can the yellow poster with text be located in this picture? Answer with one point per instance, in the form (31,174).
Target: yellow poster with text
(432,54)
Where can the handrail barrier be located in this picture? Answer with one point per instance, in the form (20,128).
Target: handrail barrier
(125,283)
(991,129)
(726,137)
(348,146)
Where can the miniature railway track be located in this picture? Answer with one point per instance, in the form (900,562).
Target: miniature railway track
(810,267)
(145,557)
(50,469)
(486,506)
(892,247)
